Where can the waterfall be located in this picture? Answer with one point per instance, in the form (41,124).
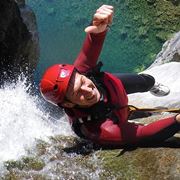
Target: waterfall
(23,120)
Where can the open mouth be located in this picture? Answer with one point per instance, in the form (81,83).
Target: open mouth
(90,98)
(91,95)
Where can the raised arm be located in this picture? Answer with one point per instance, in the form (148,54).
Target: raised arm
(93,43)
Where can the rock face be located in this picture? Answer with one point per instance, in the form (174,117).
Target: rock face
(167,74)
(65,157)
(29,19)
(18,47)
(170,51)
(161,162)
(165,70)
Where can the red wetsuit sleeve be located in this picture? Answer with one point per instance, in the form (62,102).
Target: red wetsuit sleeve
(134,133)
(90,52)
(131,133)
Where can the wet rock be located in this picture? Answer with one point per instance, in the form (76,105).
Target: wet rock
(29,19)
(167,74)
(26,163)
(21,2)
(64,157)
(33,163)
(170,51)
(18,48)
(143,163)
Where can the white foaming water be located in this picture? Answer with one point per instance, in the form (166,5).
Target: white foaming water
(21,122)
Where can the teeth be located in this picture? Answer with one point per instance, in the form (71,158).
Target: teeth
(90,97)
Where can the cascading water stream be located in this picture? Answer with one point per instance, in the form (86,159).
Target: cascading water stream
(22,121)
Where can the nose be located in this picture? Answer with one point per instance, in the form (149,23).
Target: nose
(86,89)
(87,92)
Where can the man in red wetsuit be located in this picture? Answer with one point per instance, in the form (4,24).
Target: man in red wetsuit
(96,102)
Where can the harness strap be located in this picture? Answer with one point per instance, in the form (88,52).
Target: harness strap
(102,110)
(164,109)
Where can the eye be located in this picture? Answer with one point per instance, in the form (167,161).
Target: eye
(55,88)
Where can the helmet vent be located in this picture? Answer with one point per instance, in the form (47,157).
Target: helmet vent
(55,87)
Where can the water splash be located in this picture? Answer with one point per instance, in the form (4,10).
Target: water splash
(23,120)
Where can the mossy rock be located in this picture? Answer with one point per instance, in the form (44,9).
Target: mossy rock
(14,164)
(141,163)
(22,176)
(143,32)
(41,147)
(27,163)
(162,36)
(151,1)
(33,163)
(157,161)
(140,68)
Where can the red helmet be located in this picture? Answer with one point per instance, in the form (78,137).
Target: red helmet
(55,81)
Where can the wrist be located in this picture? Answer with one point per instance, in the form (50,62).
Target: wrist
(99,34)
(102,30)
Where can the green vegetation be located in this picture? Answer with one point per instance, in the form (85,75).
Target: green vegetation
(139,29)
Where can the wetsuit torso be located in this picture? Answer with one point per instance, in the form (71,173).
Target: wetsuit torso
(113,129)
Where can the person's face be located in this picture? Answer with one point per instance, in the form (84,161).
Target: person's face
(81,91)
